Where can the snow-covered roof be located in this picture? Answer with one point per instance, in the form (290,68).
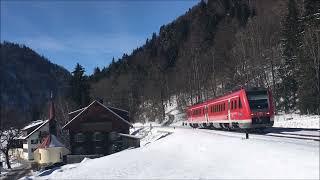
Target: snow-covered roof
(32,124)
(130,136)
(118,109)
(43,123)
(121,117)
(77,110)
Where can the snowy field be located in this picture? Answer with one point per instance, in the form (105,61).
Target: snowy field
(201,154)
(297,121)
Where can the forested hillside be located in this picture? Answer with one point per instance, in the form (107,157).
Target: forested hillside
(27,80)
(218,46)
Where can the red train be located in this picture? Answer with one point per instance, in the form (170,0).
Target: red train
(250,108)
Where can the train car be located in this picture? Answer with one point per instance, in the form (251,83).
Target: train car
(249,108)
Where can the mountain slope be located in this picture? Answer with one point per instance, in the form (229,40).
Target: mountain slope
(27,79)
(216,47)
(189,57)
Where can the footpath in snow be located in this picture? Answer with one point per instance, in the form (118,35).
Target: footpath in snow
(197,154)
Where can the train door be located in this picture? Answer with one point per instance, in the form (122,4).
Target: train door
(206,113)
(229,113)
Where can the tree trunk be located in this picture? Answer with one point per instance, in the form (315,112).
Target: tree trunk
(273,82)
(213,83)
(163,110)
(7,159)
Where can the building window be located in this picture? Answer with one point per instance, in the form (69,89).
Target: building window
(240,104)
(97,136)
(79,137)
(98,150)
(34,141)
(39,156)
(79,150)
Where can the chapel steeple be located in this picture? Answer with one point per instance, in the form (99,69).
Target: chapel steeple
(51,117)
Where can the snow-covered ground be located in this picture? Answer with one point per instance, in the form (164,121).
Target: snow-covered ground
(175,153)
(297,121)
(202,154)
(13,162)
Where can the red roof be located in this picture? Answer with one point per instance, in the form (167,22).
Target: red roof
(45,143)
(50,141)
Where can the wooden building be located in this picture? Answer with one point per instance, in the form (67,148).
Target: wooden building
(95,129)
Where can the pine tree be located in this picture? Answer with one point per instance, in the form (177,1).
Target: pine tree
(79,87)
(96,74)
(291,43)
(312,12)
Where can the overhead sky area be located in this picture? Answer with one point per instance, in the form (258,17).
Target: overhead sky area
(87,32)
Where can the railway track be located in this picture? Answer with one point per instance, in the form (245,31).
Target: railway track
(292,133)
(294,136)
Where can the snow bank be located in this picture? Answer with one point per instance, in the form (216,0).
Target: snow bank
(297,121)
(196,154)
(173,114)
(149,134)
(174,111)
(13,162)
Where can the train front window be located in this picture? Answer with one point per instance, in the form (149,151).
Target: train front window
(258,101)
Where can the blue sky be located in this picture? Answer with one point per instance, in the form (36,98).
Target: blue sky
(88,32)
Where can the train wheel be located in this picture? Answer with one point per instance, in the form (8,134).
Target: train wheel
(211,126)
(204,125)
(200,125)
(226,126)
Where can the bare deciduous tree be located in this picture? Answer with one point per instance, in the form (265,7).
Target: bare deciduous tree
(9,132)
